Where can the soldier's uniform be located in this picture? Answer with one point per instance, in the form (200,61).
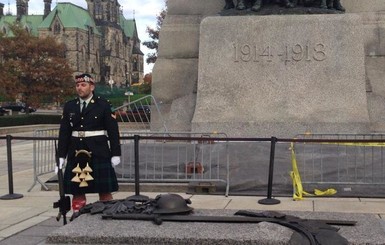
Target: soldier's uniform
(88,130)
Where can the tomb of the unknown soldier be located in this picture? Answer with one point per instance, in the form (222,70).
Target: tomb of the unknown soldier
(284,69)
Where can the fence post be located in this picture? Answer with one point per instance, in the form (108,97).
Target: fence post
(269,200)
(11,195)
(137,197)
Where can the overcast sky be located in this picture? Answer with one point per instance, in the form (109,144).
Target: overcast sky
(145,14)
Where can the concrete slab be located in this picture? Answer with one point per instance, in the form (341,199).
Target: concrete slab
(338,205)
(22,226)
(14,215)
(25,240)
(210,202)
(286,204)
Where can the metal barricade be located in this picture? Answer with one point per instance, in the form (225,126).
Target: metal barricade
(139,113)
(171,161)
(349,164)
(43,155)
(160,161)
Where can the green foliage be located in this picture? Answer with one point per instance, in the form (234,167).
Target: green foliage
(117,96)
(33,67)
(30,119)
(145,88)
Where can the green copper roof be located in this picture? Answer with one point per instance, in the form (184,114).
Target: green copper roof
(128,26)
(71,16)
(30,22)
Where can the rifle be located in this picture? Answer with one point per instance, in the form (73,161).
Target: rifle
(64,203)
(293,223)
(158,219)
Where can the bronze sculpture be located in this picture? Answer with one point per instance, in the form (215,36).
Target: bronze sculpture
(332,4)
(256,5)
(229,4)
(243,4)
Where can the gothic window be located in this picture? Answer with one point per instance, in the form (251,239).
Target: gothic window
(83,58)
(117,49)
(56,27)
(98,9)
(97,58)
(135,65)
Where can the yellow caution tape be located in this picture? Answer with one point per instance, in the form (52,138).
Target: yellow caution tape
(298,192)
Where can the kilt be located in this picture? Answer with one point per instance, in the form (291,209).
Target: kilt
(102,171)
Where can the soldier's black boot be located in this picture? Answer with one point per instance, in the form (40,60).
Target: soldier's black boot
(241,5)
(323,4)
(337,5)
(229,5)
(288,4)
(257,5)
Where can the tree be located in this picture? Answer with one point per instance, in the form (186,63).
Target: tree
(154,35)
(33,67)
(148,78)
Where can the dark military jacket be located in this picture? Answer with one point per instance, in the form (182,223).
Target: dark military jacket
(96,116)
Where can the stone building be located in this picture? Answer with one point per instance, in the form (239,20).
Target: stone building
(99,40)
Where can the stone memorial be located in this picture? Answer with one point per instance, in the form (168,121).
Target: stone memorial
(281,75)
(209,79)
(258,75)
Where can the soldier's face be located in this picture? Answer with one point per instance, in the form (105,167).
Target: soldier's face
(84,90)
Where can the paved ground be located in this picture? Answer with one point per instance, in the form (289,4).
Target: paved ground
(29,220)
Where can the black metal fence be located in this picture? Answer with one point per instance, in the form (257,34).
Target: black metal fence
(346,163)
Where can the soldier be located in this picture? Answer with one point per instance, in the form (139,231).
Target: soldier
(256,6)
(86,122)
(333,4)
(229,4)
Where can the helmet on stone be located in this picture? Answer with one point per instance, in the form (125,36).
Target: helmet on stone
(171,204)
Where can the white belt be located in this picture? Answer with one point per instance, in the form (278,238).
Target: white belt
(88,133)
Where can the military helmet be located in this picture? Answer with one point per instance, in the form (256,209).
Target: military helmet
(171,203)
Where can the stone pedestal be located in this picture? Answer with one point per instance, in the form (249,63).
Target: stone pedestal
(175,74)
(281,75)
(92,229)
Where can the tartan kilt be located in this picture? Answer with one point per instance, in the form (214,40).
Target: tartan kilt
(104,181)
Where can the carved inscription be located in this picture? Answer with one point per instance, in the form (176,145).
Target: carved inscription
(286,53)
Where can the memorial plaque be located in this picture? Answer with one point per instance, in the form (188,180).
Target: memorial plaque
(281,75)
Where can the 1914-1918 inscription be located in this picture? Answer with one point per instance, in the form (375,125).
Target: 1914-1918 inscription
(286,53)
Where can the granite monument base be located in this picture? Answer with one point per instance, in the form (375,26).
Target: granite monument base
(281,75)
(92,229)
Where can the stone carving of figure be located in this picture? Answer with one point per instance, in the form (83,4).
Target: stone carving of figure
(257,4)
(242,4)
(332,4)
(229,4)
(287,3)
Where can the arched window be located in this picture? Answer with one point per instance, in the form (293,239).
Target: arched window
(98,9)
(56,28)
(117,49)
(135,65)
(83,58)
